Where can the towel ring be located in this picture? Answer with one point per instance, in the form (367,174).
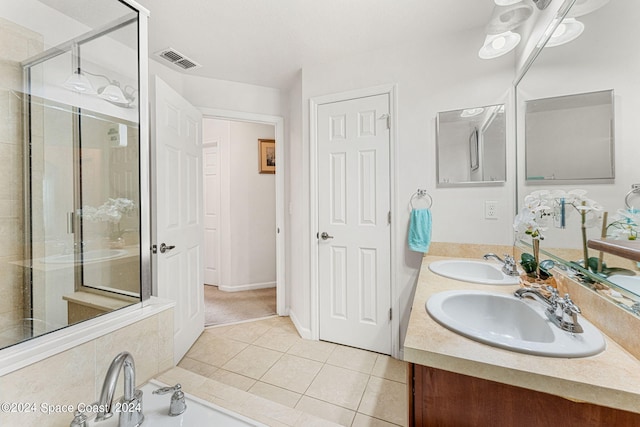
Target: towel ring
(635,188)
(421,194)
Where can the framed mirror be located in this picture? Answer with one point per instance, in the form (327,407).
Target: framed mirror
(579,127)
(471,146)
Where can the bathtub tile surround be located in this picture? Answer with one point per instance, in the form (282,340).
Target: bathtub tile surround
(341,384)
(76,375)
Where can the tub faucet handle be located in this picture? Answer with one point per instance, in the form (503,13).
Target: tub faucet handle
(80,419)
(178,404)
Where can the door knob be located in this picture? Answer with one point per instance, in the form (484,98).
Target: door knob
(325,236)
(164,248)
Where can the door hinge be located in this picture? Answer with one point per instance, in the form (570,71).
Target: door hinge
(389,218)
(390,314)
(387,118)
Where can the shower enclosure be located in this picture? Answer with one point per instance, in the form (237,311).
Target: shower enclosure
(74,164)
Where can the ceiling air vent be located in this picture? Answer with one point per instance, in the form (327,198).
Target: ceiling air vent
(177,59)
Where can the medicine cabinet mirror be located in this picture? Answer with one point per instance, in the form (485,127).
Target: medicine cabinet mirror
(471,146)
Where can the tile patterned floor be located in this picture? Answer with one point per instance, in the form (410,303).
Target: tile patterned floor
(268,358)
(226,307)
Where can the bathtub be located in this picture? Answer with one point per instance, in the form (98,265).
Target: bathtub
(199,412)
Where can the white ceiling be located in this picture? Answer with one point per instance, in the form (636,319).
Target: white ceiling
(265,42)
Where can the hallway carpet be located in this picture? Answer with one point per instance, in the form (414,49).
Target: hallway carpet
(229,307)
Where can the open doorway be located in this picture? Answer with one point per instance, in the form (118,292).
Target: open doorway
(240,257)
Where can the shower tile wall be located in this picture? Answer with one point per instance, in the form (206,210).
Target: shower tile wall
(16,44)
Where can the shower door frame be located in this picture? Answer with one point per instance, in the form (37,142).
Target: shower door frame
(73,46)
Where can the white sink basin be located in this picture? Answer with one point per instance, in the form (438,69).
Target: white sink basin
(507,322)
(473,271)
(630,283)
(88,256)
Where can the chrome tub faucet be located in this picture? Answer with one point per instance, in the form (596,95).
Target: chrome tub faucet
(130,407)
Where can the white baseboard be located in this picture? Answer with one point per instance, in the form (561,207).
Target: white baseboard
(247,287)
(304,332)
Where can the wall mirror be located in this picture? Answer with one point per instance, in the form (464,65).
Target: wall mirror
(578,127)
(589,54)
(471,146)
(70,149)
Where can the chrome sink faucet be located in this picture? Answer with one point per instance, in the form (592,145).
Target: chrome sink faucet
(509,266)
(561,311)
(130,407)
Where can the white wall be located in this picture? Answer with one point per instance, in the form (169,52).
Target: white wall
(430,78)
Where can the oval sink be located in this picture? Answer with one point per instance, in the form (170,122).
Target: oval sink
(88,256)
(630,283)
(473,271)
(513,324)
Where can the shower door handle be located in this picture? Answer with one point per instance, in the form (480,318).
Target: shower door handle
(165,248)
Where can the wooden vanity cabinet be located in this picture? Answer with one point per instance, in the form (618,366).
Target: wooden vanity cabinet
(446,399)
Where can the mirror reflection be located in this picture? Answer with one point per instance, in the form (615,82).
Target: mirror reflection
(592,60)
(578,127)
(70,152)
(471,145)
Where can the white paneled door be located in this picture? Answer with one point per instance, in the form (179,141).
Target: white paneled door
(177,212)
(354,277)
(211,215)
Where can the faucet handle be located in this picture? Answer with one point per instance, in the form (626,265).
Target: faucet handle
(165,390)
(570,306)
(178,404)
(80,419)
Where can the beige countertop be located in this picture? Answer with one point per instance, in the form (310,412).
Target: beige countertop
(611,378)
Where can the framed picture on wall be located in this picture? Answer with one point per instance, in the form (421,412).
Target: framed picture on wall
(267,155)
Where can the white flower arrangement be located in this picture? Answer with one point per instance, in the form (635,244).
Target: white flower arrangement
(626,225)
(110,211)
(541,205)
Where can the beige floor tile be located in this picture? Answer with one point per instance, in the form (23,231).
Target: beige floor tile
(314,350)
(353,358)
(231,378)
(386,400)
(273,410)
(215,350)
(279,338)
(247,332)
(253,361)
(339,386)
(197,366)
(187,379)
(362,420)
(276,394)
(292,373)
(325,410)
(390,368)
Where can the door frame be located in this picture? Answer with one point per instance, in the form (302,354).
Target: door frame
(314,103)
(278,123)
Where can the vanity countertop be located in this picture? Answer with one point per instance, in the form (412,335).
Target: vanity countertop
(611,378)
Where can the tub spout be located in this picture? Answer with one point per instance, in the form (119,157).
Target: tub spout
(131,405)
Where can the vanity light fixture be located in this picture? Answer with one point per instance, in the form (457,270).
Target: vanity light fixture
(471,112)
(508,18)
(568,30)
(498,45)
(78,82)
(112,92)
(506,2)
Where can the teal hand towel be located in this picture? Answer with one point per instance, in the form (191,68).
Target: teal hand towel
(420,230)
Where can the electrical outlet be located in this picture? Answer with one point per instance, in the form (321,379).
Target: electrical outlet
(490,209)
